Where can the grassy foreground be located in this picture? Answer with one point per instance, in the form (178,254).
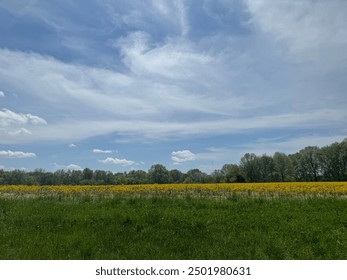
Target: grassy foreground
(173,228)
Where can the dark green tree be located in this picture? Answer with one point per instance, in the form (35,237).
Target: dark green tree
(249,167)
(158,174)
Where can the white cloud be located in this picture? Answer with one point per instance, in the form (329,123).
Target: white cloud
(8,117)
(2,94)
(73,167)
(177,87)
(72,145)
(35,120)
(16,154)
(175,59)
(137,130)
(99,151)
(179,157)
(18,127)
(312,30)
(123,162)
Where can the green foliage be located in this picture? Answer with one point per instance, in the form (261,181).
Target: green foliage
(236,228)
(309,164)
(158,174)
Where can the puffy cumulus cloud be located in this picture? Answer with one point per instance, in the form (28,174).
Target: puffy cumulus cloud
(123,162)
(72,145)
(16,127)
(2,94)
(99,151)
(179,157)
(73,167)
(8,117)
(16,154)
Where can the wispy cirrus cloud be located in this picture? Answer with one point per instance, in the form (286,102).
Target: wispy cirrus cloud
(21,131)
(307,27)
(118,96)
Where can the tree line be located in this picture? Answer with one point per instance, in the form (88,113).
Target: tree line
(309,164)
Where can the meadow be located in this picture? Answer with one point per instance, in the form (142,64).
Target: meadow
(209,221)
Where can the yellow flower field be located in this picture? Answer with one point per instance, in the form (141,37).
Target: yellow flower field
(168,190)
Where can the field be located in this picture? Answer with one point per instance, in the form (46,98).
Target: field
(210,221)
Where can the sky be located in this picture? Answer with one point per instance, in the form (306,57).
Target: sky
(121,85)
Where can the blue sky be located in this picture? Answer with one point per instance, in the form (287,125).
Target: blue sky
(121,85)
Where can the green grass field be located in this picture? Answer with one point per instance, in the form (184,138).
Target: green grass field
(186,228)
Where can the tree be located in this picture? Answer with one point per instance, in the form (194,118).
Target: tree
(158,174)
(87,174)
(75,177)
(265,167)
(120,178)
(232,173)
(333,159)
(100,177)
(217,176)
(137,177)
(249,167)
(197,176)
(59,177)
(176,176)
(306,164)
(282,167)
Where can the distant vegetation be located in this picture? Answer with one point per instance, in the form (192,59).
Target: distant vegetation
(310,164)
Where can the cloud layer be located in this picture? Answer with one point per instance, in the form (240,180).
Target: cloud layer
(231,72)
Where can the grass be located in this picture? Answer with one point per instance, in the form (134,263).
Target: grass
(175,228)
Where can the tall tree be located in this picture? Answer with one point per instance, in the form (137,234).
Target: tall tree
(282,167)
(176,176)
(232,173)
(265,168)
(197,176)
(158,174)
(249,167)
(306,164)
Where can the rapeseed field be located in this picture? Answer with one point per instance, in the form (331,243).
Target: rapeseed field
(183,190)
